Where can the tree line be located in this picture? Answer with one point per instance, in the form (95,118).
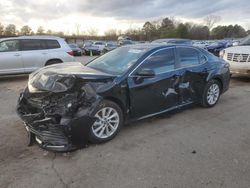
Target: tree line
(165,28)
(11,30)
(170,28)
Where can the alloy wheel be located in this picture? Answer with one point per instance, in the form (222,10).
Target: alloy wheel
(107,122)
(213,94)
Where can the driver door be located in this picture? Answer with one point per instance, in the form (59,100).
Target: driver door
(10,57)
(157,92)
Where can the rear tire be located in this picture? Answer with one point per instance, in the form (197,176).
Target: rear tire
(109,122)
(211,94)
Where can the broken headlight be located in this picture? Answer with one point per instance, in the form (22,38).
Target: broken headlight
(32,89)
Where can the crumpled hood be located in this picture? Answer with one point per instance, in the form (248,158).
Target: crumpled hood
(74,68)
(62,77)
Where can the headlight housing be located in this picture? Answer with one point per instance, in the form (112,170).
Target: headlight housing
(32,89)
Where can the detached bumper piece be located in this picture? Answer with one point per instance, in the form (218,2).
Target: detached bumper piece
(51,136)
(52,126)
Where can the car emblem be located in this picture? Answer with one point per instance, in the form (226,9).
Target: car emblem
(240,58)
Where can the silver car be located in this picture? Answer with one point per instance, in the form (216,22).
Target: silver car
(26,54)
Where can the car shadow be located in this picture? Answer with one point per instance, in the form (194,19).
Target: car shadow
(242,78)
(14,78)
(239,80)
(139,124)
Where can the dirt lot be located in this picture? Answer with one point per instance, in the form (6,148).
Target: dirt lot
(192,148)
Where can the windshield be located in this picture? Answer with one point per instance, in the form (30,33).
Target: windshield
(99,43)
(88,43)
(111,45)
(117,61)
(73,45)
(245,41)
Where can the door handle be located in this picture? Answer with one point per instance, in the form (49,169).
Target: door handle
(17,55)
(44,53)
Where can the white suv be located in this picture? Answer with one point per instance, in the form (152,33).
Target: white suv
(238,57)
(99,45)
(26,54)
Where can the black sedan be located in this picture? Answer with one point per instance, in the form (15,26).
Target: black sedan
(67,105)
(76,50)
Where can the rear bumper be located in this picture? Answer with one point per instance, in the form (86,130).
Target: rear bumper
(77,53)
(94,52)
(61,134)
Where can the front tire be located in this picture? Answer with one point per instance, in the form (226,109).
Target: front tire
(109,122)
(211,94)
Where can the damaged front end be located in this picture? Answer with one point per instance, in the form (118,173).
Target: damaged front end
(57,110)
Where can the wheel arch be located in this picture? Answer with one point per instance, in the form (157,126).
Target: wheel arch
(54,59)
(218,79)
(118,102)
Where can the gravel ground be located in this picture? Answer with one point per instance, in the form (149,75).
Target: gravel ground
(193,147)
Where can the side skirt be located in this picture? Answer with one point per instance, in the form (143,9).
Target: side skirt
(161,112)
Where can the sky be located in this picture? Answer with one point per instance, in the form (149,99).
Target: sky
(102,15)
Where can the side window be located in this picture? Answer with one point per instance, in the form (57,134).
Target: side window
(189,57)
(52,44)
(161,62)
(31,44)
(9,46)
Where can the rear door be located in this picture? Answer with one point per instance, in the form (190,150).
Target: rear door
(193,70)
(34,54)
(10,57)
(149,95)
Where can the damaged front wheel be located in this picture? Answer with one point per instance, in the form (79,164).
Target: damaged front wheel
(109,120)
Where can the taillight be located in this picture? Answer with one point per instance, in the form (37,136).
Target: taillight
(71,53)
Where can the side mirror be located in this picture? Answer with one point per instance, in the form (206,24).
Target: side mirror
(146,73)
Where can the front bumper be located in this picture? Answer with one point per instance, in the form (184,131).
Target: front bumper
(239,67)
(54,132)
(215,51)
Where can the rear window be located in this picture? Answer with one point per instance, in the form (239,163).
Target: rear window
(188,57)
(52,44)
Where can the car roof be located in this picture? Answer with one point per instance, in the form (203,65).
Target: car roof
(170,39)
(151,46)
(32,37)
